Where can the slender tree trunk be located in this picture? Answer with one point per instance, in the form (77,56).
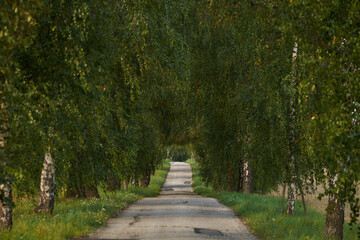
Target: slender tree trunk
(47,186)
(291,200)
(303,200)
(291,188)
(334,222)
(247,186)
(240,177)
(135,182)
(5,186)
(125,184)
(283,198)
(5,205)
(146,179)
(292,141)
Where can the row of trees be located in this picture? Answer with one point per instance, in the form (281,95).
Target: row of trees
(83,84)
(276,88)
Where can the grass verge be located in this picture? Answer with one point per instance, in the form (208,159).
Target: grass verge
(78,217)
(262,214)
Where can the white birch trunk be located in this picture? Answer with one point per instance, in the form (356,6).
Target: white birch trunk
(247,186)
(6,206)
(291,200)
(47,186)
(5,187)
(291,189)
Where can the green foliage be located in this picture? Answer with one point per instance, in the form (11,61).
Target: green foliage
(78,81)
(179,153)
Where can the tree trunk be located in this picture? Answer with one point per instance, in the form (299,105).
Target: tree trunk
(291,187)
(240,177)
(146,179)
(291,200)
(334,222)
(47,186)
(303,200)
(134,182)
(292,140)
(283,198)
(5,205)
(247,186)
(125,184)
(5,186)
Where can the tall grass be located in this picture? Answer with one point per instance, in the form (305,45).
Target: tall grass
(262,214)
(77,217)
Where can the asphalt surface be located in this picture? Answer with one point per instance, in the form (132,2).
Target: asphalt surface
(176,213)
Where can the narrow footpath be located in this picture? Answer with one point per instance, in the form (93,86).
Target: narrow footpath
(176,213)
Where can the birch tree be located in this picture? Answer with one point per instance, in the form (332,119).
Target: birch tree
(47,185)
(5,184)
(292,137)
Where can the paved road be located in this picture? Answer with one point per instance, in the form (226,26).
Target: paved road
(176,213)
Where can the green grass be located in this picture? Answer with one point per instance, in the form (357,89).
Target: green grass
(262,214)
(77,217)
